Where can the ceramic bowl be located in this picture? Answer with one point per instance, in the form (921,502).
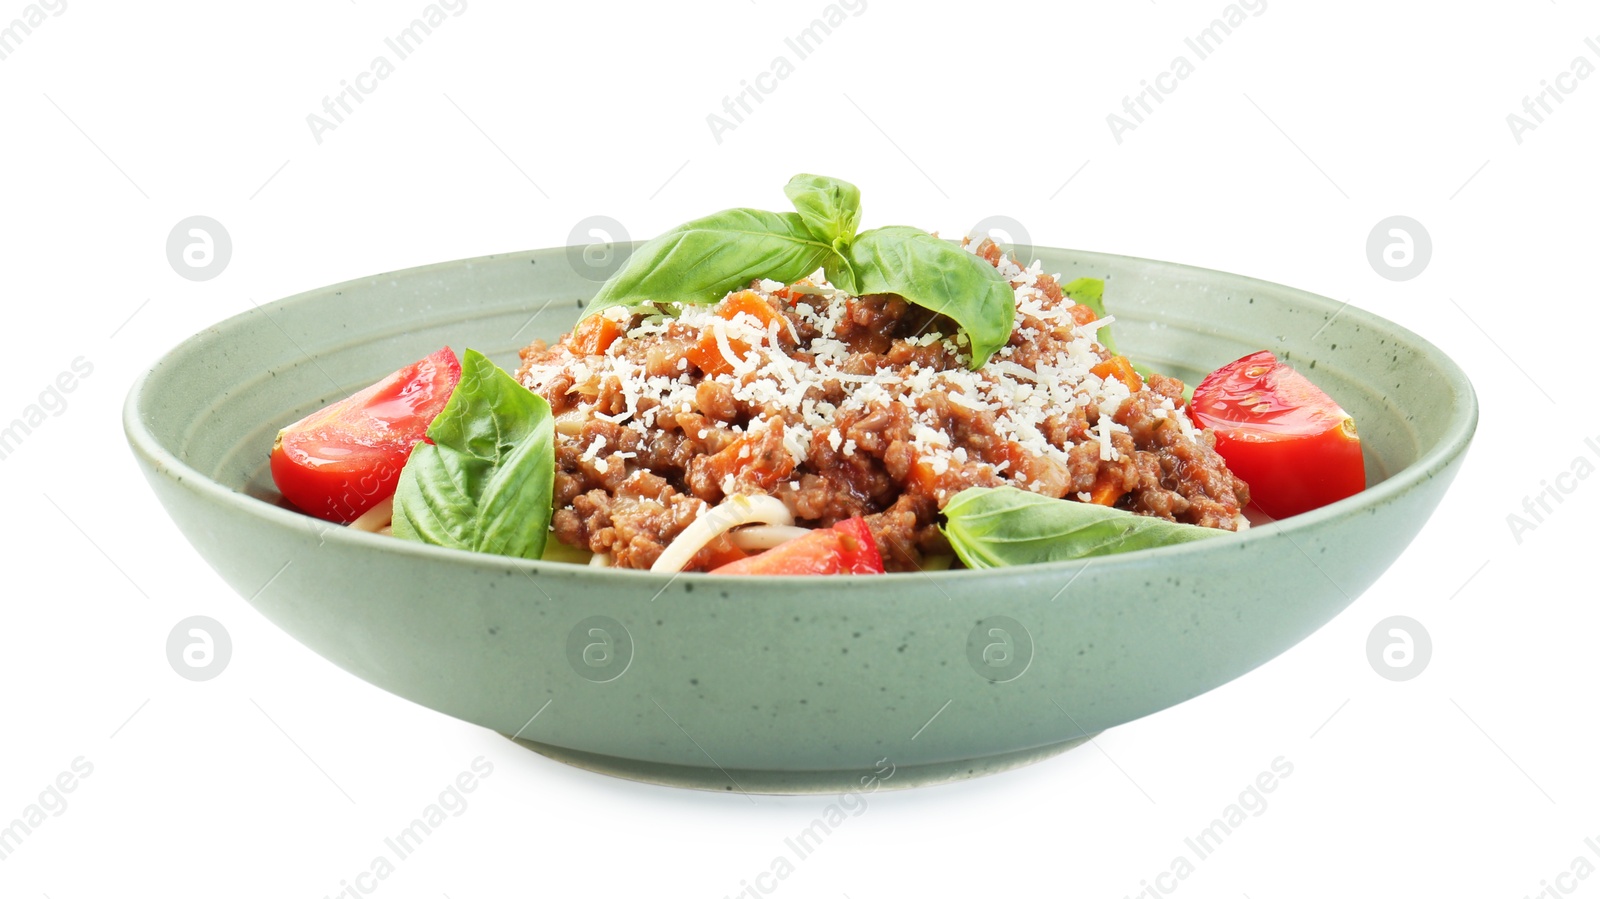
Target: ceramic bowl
(784,684)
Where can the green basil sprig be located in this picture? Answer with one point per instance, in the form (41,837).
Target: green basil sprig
(698,262)
(1089,292)
(830,207)
(701,261)
(486,481)
(995,527)
(941,277)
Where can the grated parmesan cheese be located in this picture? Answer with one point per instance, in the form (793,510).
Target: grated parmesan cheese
(789,394)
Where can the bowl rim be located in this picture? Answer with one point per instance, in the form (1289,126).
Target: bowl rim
(1459,430)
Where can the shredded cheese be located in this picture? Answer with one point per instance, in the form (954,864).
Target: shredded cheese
(1022,388)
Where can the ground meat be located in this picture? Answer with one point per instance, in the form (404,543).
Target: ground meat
(716,401)
(634,467)
(1180,477)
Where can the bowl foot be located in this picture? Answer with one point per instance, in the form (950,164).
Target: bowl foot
(745,780)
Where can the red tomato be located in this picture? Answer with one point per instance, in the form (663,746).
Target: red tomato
(340,461)
(1280,434)
(845,548)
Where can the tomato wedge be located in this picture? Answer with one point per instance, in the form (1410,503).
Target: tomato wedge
(1281,434)
(338,462)
(845,548)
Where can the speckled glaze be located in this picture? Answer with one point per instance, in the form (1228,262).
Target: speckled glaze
(783,684)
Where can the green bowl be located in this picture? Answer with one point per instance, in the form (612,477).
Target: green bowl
(784,684)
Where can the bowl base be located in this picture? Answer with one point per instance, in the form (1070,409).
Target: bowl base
(789,783)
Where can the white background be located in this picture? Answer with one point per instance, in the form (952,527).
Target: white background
(512,123)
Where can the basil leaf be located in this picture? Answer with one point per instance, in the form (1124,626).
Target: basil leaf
(486,481)
(830,207)
(701,261)
(941,277)
(1089,292)
(840,273)
(994,527)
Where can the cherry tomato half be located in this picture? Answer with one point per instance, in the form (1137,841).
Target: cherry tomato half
(845,548)
(338,462)
(1280,434)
